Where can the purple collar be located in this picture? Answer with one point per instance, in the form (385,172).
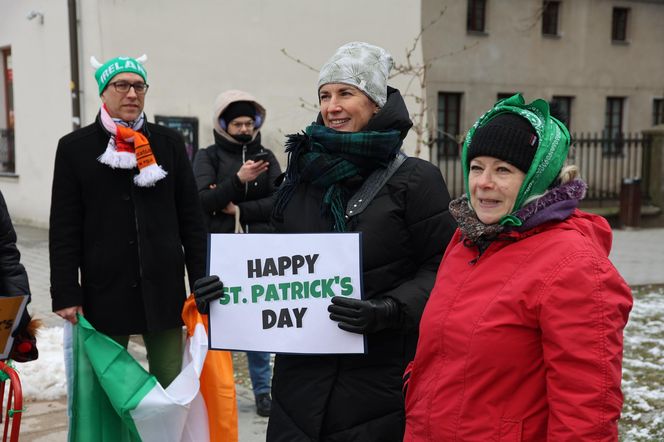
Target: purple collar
(555,205)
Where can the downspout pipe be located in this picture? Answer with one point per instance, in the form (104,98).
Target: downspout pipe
(73,65)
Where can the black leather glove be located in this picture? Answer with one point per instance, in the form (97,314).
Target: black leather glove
(358,316)
(207,289)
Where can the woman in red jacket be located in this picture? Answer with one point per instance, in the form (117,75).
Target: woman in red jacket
(521,339)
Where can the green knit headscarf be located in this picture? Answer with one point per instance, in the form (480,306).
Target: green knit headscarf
(550,156)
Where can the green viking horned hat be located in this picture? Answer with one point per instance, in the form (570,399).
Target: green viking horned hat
(115,66)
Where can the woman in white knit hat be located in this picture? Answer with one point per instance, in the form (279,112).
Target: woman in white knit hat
(347,173)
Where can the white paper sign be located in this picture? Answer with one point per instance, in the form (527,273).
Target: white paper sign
(277,288)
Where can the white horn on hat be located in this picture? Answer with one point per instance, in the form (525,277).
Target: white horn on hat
(94,62)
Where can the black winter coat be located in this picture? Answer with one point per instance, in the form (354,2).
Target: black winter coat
(405,230)
(218,164)
(130,243)
(13,277)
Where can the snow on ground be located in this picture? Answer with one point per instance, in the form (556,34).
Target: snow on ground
(45,378)
(643,368)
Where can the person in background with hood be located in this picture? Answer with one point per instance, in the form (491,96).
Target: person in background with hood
(522,337)
(347,173)
(236,174)
(235,178)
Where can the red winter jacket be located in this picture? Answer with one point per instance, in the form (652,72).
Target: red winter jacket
(524,343)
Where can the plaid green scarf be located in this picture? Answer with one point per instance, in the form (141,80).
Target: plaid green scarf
(325,158)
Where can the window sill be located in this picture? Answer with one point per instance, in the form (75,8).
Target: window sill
(620,42)
(477,33)
(552,36)
(8,175)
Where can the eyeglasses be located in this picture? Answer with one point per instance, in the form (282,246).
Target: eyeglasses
(124,86)
(240,124)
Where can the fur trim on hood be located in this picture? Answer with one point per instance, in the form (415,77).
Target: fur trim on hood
(224,100)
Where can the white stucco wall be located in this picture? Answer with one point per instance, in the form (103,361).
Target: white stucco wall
(196,50)
(42,104)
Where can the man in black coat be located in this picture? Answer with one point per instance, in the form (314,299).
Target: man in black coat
(125,216)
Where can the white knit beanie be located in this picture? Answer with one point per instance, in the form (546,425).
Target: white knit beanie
(362,65)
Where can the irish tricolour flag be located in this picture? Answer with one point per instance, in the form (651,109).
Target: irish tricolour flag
(113,398)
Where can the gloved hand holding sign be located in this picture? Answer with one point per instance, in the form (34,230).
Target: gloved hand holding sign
(207,289)
(359,316)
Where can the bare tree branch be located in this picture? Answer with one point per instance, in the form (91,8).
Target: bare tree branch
(308,105)
(298,61)
(418,73)
(537,16)
(417,39)
(451,53)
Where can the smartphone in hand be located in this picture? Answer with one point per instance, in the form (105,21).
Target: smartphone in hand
(260,156)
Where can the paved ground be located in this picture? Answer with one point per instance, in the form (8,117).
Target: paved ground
(638,255)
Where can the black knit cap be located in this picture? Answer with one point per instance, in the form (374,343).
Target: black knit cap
(239,109)
(508,137)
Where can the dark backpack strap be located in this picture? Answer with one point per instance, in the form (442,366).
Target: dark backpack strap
(361,199)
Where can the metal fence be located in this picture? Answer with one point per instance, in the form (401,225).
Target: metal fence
(603,161)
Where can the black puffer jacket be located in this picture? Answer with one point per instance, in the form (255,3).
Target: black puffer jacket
(13,277)
(405,230)
(218,164)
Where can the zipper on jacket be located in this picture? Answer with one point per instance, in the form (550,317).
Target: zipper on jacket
(246,185)
(469,244)
(138,241)
(481,252)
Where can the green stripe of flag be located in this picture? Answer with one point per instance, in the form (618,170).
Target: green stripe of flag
(109,383)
